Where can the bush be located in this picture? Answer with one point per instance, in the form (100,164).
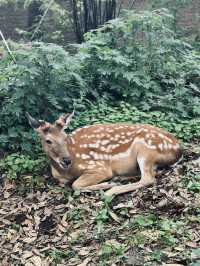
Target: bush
(16,164)
(45,82)
(138,59)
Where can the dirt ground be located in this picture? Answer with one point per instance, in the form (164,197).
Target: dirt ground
(45,224)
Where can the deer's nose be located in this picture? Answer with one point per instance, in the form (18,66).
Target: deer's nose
(66,161)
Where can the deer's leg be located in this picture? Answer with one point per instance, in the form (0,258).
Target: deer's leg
(62,179)
(90,180)
(147,178)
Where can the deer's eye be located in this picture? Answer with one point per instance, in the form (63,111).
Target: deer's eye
(48,141)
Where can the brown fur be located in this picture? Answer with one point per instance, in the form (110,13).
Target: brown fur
(99,152)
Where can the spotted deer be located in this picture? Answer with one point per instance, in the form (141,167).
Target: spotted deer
(96,153)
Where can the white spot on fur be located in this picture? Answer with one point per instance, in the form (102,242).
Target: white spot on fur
(97,130)
(169,146)
(161,135)
(93,145)
(85,126)
(175,147)
(168,139)
(85,156)
(153,147)
(140,130)
(141,141)
(110,130)
(160,146)
(81,166)
(91,162)
(149,142)
(78,155)
(91,166)
(103,148)
(104,142)
(165,145)
(84,136)
(83,146)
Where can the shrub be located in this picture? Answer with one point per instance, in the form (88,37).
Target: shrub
(138,59)
(16,164)
(45,81)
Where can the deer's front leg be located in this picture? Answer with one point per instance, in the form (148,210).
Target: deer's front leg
(62,179)
(90,180)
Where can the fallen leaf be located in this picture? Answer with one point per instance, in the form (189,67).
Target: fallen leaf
(29,239)
(172,264)
(84,251)
(191,244)
(114,216)
(36,260)
(27,254)
(85,262)
(6,194)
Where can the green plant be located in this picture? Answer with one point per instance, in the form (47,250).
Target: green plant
(144,221)
(195,257)
(75,214)
(192,180)
(174,6)
(157,255)
(58,255)
(16,164)
(139,59)
(43,82)
(102,215)
(113,250)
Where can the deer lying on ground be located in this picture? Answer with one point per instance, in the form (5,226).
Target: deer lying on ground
(96,153)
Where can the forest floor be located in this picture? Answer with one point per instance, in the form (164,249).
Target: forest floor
(45,224)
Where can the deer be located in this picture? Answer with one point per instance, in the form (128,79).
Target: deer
(92,155)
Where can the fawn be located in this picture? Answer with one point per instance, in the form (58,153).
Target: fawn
(96,153)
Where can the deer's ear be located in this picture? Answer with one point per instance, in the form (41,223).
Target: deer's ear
(64,121)
(38,125)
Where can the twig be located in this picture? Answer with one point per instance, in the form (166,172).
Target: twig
(131,6)
(7,47)
(119,9)
(41,20)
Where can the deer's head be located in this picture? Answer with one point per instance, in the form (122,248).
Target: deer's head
(54,139)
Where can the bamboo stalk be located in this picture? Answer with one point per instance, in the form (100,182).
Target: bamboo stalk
(7,47)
